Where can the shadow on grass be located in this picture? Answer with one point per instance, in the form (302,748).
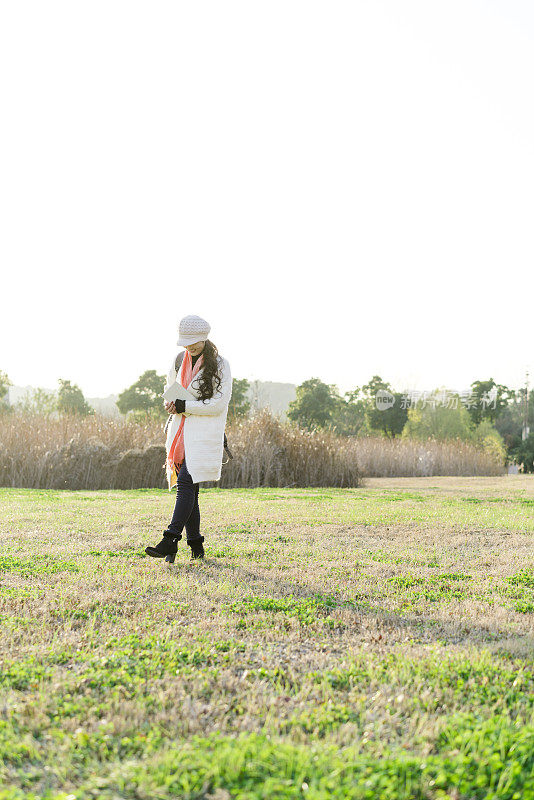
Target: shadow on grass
(421,628)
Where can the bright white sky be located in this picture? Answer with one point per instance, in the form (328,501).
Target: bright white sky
(342,189)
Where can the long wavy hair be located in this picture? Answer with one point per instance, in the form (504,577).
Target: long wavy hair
(209,379)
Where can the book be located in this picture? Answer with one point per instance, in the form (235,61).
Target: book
(177,392)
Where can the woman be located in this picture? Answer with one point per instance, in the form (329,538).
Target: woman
(195,435)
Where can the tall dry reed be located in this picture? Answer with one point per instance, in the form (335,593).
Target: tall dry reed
(32,446)
(98,452)
(383,458)
(268,452)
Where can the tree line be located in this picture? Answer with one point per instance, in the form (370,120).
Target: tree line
(491,415)
(138,402)
(495,425)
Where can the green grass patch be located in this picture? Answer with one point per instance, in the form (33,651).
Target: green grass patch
(342,643)
(524,577)
(37,565)
(307,610)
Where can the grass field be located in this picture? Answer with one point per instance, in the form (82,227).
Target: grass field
(368,643)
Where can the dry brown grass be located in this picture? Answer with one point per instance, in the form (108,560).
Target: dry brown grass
(383,667)
(381,458)
(270,453)
(98,452)
(31,443)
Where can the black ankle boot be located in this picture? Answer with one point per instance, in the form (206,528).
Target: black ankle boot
(167,547)
(197,548)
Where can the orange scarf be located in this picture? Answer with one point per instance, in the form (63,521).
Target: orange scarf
(177,451)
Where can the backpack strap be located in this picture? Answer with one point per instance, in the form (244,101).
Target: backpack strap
(179,359)
(227,449)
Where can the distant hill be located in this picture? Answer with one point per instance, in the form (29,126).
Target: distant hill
(269,394)
(16,393)
(105,405)
(262,394)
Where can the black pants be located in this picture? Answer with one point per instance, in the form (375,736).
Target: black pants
(186,510)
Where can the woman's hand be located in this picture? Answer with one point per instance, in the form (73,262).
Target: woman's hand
(170,407)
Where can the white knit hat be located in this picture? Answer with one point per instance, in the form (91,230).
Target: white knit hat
(193,329)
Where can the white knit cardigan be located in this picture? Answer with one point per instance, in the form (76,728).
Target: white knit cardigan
(203,426)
